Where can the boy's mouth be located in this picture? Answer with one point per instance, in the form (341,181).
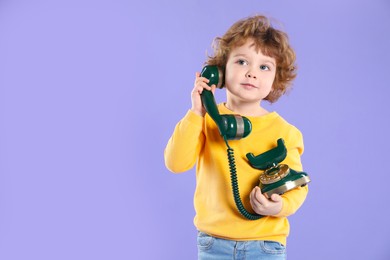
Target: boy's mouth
(248,85)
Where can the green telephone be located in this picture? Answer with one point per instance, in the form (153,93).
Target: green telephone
(275,178)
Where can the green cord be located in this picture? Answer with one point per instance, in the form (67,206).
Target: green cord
(236,192)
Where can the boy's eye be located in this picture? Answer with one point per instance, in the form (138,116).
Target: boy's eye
(264,67)
(242,62)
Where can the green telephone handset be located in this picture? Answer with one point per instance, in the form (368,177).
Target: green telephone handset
(276,178)
(230,126)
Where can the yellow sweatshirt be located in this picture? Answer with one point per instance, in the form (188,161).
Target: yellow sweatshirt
(196,140)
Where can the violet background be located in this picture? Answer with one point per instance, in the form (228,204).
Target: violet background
(90,92)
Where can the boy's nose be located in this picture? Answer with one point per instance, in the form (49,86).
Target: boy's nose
(251,74)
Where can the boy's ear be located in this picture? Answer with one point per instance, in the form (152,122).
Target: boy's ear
(222,77)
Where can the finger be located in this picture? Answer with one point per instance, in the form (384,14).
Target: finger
(253,193)
(198,87)
(252,196)
(199,78)
(261,198)
(197,90)
(276,198)
(202,85)
(253,201)
(213,88)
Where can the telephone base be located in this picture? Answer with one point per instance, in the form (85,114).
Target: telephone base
(287,186)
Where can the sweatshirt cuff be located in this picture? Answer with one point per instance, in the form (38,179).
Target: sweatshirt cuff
(193,118)
(284,212)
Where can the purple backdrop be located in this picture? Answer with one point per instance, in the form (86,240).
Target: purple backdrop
(90,92)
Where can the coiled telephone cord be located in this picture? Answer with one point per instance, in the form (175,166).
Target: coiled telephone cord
(234,182)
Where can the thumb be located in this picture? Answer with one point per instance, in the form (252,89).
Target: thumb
(276,198)
(213,87)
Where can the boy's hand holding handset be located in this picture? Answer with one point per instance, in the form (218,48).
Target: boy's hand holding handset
(199,84)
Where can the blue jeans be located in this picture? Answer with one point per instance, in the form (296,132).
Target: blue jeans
(212,248)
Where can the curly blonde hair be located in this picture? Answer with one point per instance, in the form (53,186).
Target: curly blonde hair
(272,42)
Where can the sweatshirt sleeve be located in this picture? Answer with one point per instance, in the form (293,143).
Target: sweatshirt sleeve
(185,143)
(293,199)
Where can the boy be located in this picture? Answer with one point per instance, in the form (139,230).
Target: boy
(258,64)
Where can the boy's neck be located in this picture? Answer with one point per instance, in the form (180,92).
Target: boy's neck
(246,109)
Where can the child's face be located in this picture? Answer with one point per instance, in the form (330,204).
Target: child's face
(249,74)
